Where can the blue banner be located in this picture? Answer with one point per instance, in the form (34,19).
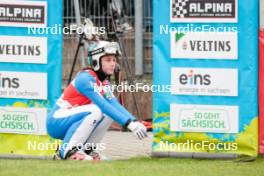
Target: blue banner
(30,72)
(206,57)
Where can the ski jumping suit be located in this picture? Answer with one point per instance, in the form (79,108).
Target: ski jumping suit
(84,112)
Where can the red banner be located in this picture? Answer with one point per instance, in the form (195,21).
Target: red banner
(261,91)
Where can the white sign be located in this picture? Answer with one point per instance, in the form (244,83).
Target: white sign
(23,120)
(201,11)
(23,13)
(204,81)
(204,45)
(26,85)
(204,118)
(23,49)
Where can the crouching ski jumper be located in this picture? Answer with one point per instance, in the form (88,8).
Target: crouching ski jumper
(87,108)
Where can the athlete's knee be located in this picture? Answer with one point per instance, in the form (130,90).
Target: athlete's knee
(52,129)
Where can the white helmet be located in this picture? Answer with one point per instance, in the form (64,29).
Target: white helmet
(100,49)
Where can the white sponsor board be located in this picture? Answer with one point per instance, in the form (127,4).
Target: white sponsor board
(204,45)
(201,11)
(23,49)
(26,85)
(204,81)
(23,13)
(204,118)
(23,120)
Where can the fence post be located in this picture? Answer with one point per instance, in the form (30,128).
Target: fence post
(138,37)
(261,18)
(78,21)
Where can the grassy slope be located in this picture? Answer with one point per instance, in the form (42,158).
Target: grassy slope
(133,167)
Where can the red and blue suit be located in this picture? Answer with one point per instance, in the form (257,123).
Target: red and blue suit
(84,112)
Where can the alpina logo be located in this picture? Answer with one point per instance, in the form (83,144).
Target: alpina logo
(23,13)
(204,10)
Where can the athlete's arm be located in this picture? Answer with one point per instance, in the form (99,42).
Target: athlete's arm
(108,94)
(86,85)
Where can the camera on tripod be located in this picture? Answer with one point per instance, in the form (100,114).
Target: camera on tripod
(89,31)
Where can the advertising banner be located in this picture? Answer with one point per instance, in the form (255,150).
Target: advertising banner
(30,74)
(195,11)
(206,65)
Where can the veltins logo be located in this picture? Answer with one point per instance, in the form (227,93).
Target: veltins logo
(21,49)
(8,82)
(204,81)
(204,45)
(203,10)
(23,13)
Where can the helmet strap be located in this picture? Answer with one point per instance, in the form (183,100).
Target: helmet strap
(100,73)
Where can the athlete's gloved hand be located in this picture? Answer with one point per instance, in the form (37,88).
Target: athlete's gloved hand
(138,129)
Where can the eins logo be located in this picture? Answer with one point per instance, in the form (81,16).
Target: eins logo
(7,82)
(194,79)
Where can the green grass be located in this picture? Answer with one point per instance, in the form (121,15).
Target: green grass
(133,167)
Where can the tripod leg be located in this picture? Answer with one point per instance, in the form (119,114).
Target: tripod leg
(125,60)
(80,43)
